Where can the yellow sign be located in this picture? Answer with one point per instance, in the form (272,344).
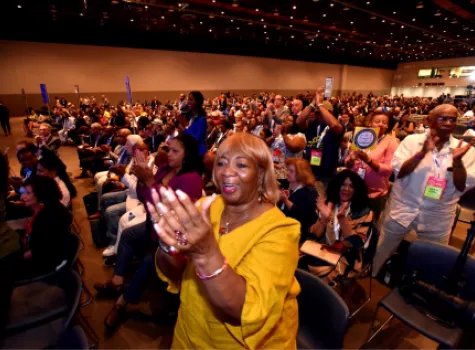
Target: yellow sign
(365,138)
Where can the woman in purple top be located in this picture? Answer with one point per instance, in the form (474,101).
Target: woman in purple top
(182,171)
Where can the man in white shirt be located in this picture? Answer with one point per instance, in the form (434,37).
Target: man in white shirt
(432,171)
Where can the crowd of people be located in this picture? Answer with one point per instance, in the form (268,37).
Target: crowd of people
(216,195)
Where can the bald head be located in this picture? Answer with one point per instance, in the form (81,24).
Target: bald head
(443,119)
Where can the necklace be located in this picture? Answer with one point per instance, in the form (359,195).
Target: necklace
(224,230)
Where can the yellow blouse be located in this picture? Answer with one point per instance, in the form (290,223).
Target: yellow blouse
(264,252)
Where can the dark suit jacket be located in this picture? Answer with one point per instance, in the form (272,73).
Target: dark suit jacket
(303,209)
(52,143)
(49,232)
(4,112)
(153,145)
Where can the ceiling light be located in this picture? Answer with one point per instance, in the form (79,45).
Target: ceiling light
(374,17)
(276,13)
(413,19)
(265,32)
(438,13)
(262,19)
(310,44)
(211,30)
(324,15)
(291,26)
(394,12)
(131,20)
(222,12)
(292,36)
(81,14)
(291,17)
(250,23)
(332,4)
(267,38)
(232,20)
(146,7)
(19,6)
(294,7)
(420,5)
(346,8)
(352,22)
(237,28)
(257,10)
(179,4)
(454,21)
(383,21)
(367,3)
(214,0)
(305,19)
(265,26)
(163,17)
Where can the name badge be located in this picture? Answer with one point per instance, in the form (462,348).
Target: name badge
(435,188)
(362,172)
(316,157)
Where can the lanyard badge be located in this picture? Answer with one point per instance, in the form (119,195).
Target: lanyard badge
(436,185)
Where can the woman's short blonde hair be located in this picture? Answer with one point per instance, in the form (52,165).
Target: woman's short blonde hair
(302,171)
(255,149)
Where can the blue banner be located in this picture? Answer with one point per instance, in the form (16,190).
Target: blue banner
(44,94)
(128,89)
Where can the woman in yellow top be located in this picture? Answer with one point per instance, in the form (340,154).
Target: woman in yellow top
(231,257)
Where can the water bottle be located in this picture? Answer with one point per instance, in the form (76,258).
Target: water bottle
(131,216)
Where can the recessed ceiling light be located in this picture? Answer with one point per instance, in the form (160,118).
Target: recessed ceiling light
(131,20)
(163,17)
(237,28)
(310,44)
(332,4)
(346,8)
(367,3)
(214,0)
(420,5)
(292,36)
(81,14)
(267,38)
(294,7)
(257,10)
(174,26)
(179,4)
(211,30)
(291,17)
(374,17)
(262,19)
(438,13)
(250,23)
(265,32)
(352,22)
(222,12)
(265,26)
(324,15)
(394,12)
(402,27)
(232,20)
(305,19)
(413,19)
(383,21)
(454,21)
(291,26)
(146,7)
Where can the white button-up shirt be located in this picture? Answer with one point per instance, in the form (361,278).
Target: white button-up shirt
(407,200)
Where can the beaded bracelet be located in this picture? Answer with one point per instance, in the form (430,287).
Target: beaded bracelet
(214,274)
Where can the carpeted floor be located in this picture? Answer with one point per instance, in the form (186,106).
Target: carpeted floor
(142,330)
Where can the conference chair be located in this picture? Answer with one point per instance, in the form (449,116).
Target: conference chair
(351,276)
(42,311)
(433,262)
(323,315)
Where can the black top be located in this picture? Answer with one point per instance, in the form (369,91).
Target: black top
(329,146)
(49,232)
(154,142)
(304,209)
(4,112)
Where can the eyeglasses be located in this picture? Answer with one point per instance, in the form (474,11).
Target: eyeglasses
(447,118)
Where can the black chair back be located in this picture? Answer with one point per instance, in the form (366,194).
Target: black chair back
(323,315)
(434,263)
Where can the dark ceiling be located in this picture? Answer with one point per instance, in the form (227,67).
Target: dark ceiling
(360,32)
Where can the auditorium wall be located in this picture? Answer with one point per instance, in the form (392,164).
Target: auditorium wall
(165,74)
(407,81)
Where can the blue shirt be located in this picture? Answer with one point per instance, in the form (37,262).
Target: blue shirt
(197,129)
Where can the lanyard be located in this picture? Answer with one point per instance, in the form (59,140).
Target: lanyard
(439,167)
(336,224)
(320,137)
